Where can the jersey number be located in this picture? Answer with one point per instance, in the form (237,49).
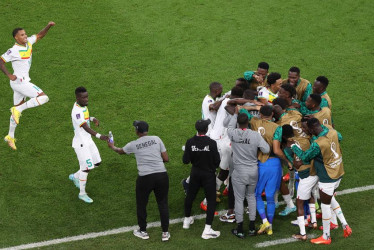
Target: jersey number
(89,163)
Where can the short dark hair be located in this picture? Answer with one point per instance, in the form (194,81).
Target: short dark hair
(281,102)
(287,131)
(323,80)
(312,122)
(273,77)
(242,119)
(244,84)
(266,110)
(316,98)
(263,65)
(295,69)
(289,88)
(249,94)
(80,90)
(215,85)
(237,91)
(15,31)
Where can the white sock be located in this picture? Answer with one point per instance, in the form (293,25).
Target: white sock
(334,218)
(218,183)
(76,174)
(188,180)
(82,182)
(288,200)
(326,216)
(276,196)
(33,102)
(264,220)
(207,227)
(338,211)
(300,220)
(312,208)
(205,202)
(12,127)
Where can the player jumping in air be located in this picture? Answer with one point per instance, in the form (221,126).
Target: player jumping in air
(21,56)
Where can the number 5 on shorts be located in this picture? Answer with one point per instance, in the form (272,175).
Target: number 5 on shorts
(89,163)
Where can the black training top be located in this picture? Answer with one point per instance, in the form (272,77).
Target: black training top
(202,152)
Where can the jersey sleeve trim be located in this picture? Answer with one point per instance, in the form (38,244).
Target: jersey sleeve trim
(82,124)
(2,58)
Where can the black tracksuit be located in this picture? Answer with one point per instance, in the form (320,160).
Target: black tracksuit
(202,152)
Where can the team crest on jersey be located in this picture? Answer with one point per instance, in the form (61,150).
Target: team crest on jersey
(210,101)
(78,116)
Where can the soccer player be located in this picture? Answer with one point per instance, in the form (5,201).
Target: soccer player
(328,162)
(302,86)
(287,92)
(320,88)
(20,55)
(308,180)
(150,154)
(257,79)
(322,114)
(245,144)
(85,148)
(267,94)
(202,152)
(270,168)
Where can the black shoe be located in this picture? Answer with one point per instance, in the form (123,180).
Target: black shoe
(237,234)
(252,233)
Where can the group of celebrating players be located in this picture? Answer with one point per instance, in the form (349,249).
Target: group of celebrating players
(262,123)
(265,122)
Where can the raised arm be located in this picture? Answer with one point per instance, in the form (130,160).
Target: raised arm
(44,31)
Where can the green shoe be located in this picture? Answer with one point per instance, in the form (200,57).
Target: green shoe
(74,180)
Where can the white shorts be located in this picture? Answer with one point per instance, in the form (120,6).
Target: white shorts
(225,152)
(329,188)
(88,156)
(23,89)
(306,185)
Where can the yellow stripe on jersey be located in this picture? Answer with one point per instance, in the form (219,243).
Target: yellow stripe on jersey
(26,54)
(86,114)
(3,59)
(82,124)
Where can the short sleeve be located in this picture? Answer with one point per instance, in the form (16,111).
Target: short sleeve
(128,148)
(264,94)
(8,56)
(162,146)
(278,134)
(32,39)
(78,118)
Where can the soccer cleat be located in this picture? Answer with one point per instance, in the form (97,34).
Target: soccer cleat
(321,241)
(74,180)
(205,207)
(185,186)
(263,228)
(300,237)
(11,142)
(187,222)
(287,211)
(225,192)
(238,234)
(332,226)
(318,215)
(85,198)
(252,233)
(210,234)
(141,234)
(347,231)
(230,218)
(286,177)
(269,231)
(165,236)
(15,114)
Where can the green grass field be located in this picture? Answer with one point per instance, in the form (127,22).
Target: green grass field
(154,60)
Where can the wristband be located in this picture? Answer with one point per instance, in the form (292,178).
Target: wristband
(92,118)
(98,135)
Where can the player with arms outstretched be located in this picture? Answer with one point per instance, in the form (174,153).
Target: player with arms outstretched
(20,55)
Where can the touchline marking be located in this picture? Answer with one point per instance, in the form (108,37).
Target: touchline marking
(158,224)
(280,241)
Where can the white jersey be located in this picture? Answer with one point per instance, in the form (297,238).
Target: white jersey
(21,58)
(266,93)
(80,116)
(206,113)
(218,130)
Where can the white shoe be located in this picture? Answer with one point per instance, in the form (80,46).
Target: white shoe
(141,234)
(187,222)
(165,236)
(210,234)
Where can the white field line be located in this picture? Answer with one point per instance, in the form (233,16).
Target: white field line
(280,241)
(158,224)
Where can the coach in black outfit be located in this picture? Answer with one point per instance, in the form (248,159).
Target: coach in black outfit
(202,152)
